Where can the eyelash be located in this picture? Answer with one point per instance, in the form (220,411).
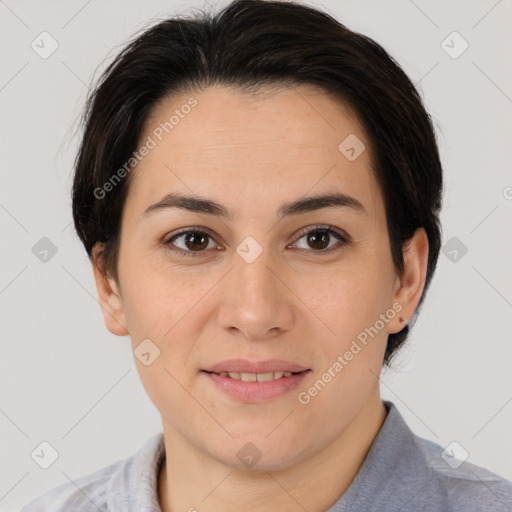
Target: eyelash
(182,252)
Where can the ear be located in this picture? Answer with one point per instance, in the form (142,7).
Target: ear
(109,296)
(409,287)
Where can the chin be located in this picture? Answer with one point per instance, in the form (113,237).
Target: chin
(260,454)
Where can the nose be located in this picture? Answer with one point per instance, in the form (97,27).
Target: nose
(255,300)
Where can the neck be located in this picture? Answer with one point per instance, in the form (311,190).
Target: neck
(189,478)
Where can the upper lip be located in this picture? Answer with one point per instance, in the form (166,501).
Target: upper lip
(245,366)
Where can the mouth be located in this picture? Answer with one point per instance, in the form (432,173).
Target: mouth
(255,387)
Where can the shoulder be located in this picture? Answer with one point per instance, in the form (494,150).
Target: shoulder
(409,473)
(84,494)
(465,486)
(129,484)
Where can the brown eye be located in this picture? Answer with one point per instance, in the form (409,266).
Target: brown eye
(196,241)
(319,239)
(190,241)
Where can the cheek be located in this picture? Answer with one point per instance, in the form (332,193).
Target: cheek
(152,295)
(171,310)
(155,306)
(349,304)
(355,294)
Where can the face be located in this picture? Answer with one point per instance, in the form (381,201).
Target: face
(262,282)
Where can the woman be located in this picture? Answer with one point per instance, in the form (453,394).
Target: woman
(259,193)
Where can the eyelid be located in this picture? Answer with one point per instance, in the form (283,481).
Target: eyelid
(323,227)
(195,229)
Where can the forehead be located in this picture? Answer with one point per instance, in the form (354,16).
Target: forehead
(252,150)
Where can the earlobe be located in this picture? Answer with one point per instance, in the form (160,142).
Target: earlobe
(411,284)
(109,297)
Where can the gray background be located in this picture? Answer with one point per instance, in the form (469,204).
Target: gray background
(66,380)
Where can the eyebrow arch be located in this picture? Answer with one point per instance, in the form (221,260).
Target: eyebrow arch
(304,205)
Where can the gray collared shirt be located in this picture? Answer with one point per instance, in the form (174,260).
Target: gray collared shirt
(401,473)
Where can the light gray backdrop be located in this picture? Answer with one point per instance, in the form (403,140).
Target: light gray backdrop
(66,380)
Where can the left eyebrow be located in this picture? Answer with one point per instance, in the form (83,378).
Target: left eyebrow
(301,206)
(312,203)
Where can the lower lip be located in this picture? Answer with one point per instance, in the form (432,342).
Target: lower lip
(257,391)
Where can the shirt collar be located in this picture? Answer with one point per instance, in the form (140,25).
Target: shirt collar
(393,458)
(135,486)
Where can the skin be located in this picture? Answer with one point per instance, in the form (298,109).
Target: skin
(251,153)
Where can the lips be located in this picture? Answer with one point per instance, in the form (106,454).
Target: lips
(255,390)
(244,366)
